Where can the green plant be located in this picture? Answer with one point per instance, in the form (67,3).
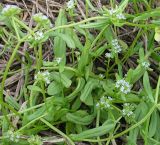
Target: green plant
(72,96)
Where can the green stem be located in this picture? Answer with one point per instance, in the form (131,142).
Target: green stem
(40,57)
(97,125)
(23,25)
(75,24)
(157,91)
(58,131)
(6,72)
(16,30)
(28,124)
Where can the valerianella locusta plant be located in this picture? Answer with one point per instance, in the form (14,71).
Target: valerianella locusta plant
(123,86)
(10,10)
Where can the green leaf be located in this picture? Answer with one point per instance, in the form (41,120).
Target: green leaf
(81,83)
(99,51)
(77,118)
(153,124)
(90,5)
(76,105)
(133,135)
(98,24)
(123,5)
(59,44)
(136,74)
(54,88)
(11,100)
(72,33)
(84,59)
(141,54)
(86,93)
(61,79)
(148,14)
(147,86)
(95,132)
(68,39)
(34,88)
(141,111)
(157,34)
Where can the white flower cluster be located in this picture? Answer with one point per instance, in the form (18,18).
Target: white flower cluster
(40,16)
(108,55)
(9,10)
(58,60)
(42,19)
(101,76)
(119,16)
(104,103)
(43,76)
(112,11)
(145,64)
(35,140)
(128,110)
(13,136)
(39,35)
(70,4)
(116,47)
(124,86)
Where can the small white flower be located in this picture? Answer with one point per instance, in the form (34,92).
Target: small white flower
(124,86)
(129,113)
(39,35)
(70,4)
(108,55)
(112,11)
(126,112)
(42,19)
(126,104)
(110,98)
(35,140)
(43,76)
(120,16)
(116,47)
(114,42)
(104,103)
(97,105)
(127,109)
(101,76)
(13,136)
(123,112)
(145,64)
(8,9)
(58,60)
(40,16)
